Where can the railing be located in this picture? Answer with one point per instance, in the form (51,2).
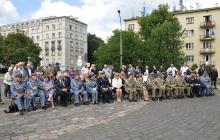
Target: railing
(207,50)
(207,24)
(207,37)
(207,62)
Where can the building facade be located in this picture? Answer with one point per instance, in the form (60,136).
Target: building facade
(63,39)
(201,36)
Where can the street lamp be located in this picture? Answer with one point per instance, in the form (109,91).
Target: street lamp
(120,38)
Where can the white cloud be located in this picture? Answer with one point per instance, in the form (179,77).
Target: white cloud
(101,15)
(7,10)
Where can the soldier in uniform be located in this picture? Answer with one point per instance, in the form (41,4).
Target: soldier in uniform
(142,88)
(77,88)
(92,88)
(171,86)
(182,86)
(161,85)
(193,82)
(131,88)
(152,85)
(35,88)
(18,88)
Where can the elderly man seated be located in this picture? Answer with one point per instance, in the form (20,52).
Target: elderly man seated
(205,84)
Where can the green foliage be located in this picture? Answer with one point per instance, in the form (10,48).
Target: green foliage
(194,67)
(109,53)
(17,47)
(94,43)
(162,34)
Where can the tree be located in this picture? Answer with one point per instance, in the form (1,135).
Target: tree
(109,53)
(94,43)
(18,47)
(162,34)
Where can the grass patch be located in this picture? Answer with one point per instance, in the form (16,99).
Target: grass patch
(2,74)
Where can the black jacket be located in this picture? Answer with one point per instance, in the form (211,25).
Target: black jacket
(213,74)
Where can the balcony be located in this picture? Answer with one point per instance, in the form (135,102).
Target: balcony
(207,37)
(207,24)
(207,62)
(207,51)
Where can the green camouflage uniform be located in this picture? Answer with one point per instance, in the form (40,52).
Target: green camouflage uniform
(182,85)
(131,89)
(171,86)
(162,87)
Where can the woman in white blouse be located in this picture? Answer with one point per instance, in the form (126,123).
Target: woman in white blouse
(117,85)
(7,82)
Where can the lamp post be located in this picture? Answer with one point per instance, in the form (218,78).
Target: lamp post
(119,13)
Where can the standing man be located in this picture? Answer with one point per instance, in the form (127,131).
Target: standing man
(214,76)
(172,69)
(184,68)
(201,70)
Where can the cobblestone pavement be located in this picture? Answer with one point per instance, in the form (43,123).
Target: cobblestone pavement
(182,119)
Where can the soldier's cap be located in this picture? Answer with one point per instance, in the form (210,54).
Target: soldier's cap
(19,75)
(194,72)
(170,73)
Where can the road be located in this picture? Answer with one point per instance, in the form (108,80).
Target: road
(180,119)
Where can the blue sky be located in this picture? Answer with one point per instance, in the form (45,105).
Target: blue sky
(100,15)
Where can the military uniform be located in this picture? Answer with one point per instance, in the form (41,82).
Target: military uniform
(171,87)
(162,87)
(182,85)
(152,85)
(131,89)
(140,85)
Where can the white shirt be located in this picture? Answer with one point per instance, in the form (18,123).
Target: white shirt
(8,79)
(173,70)
(116,82)
(184,69)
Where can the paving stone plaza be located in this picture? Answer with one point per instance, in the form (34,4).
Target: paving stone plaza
(175,119)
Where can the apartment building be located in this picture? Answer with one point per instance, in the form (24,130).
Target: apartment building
(201,36)
(62,39)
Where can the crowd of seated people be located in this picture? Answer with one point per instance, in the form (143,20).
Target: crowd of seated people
(91,86)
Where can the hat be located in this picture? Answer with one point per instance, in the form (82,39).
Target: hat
(19,75)
(170,73)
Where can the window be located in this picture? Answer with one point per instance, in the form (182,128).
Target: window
(207,58)
(38,38)
(47,48)
(71,27)
(60,25)
(53,27)
(47,27)
(71,48)
(47,36)
(207,18)
(207,45)
(53,48)
(189,58)
(32,30)
(189,33)
(59,47)
(189,46)
(60,34)
(130,26)
(37,30)
(190,20)
(53,35)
